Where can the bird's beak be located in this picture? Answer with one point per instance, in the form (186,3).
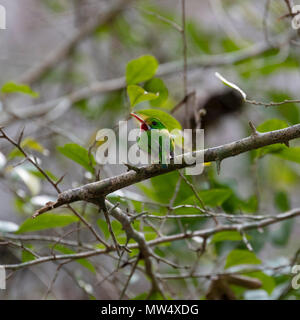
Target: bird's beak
(142,121)
(137,117)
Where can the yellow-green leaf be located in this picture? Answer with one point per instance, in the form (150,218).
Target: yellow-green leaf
(227,236)
(215,197)
(238,257)
(137,95)
(47,221)
(12,87)
(26,255)
(78,154)
(141,69)
(116,226)
(27,143)
(271,125)
(268,283)
(157,85)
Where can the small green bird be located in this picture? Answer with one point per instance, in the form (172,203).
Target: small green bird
(161,145)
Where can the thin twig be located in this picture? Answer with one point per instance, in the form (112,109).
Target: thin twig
(173,24)
(110,229)
(144,245)
(171,203)
(129,278)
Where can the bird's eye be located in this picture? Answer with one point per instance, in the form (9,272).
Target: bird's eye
(154,123)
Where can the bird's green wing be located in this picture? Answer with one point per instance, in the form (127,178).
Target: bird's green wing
(158,143)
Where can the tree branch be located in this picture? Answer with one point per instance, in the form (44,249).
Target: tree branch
(37,72)
(92,191)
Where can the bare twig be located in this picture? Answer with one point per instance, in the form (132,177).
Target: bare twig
(129,278)
(171,203)
(53,183)
(173,24)
(110,229)
(272,104)
(220,274)
(49,289)
(145,246)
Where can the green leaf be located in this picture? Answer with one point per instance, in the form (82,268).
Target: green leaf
(249,205)
(162,188)
(215,197)
(287,176)
(78,154)
(83,262)
(270,125)
(198,37)
(289,111)
(26,255)
(150,236)
(116,226)
(227,236)
(141,69)
(169,121)
(281,201)
(280,150)
(156,296)
(234,203)
(237,257)
(12,87)
(157,85)
(47,221)
(38,174)
(291,154)
(103,227)
(268,283)
(27,143)
(230,45)
(274,66)
(137,95)
(142,296)
(100,246)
